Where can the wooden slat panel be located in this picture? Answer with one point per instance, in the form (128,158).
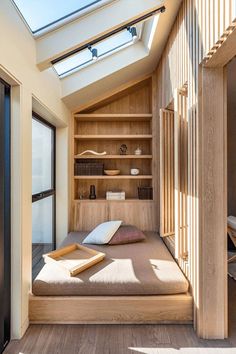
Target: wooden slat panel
(166,173)
(181,178)
(205,24)
(89,213)
(141,214)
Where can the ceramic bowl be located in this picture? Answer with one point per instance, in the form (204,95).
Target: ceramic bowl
(112,172)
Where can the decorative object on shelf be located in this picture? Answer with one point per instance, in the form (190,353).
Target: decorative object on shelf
(138,151)
(123,149)
(119,195)
(92,194)
(145,193)
(112,172)
(134,171)
(92,152)
(88,168)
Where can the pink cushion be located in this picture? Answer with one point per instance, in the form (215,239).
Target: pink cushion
(127,234)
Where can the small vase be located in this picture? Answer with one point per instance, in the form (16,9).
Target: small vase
(92,194)
(138,151)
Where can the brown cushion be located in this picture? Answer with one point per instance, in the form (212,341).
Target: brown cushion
(127,234)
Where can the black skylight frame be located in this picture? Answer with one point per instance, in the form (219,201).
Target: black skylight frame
(53,23)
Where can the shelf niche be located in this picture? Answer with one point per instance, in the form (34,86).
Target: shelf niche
(125,118)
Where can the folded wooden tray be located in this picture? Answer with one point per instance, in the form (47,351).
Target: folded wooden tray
(75,258)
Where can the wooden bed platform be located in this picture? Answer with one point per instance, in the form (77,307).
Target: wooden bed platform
(163,309)
(135,283)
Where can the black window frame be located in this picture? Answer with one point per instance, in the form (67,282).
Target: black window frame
(50,192)
(5,215)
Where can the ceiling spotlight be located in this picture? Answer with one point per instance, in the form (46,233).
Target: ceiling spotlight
(133,32)
(94,52)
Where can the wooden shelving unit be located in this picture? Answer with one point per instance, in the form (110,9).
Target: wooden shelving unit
(126,119)
(106,132)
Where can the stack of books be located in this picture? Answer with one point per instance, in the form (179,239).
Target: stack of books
(115,195)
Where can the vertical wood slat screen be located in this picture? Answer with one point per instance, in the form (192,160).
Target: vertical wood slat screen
(198,26)
(181,176)
(167,223)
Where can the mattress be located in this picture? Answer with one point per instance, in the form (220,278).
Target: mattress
(142,268)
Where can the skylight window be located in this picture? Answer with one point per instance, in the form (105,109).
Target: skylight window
(98,51)
(45,14)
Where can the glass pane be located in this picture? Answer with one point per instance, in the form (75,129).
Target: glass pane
(42,157)
(112,43)
(79,60)
(42,231)
(73,62)
(40,14)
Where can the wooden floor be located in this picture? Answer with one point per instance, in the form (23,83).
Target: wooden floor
(38,249)
(122,339)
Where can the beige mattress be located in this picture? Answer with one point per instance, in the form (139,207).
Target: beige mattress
(143,268)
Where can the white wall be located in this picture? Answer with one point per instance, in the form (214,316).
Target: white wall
(40,91)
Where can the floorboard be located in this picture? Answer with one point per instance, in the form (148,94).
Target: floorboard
(38,249)
(124,339)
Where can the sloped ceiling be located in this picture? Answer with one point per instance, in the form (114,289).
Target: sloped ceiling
(100,79)
(96,80)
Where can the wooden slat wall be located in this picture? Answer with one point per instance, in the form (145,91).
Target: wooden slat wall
(200,24)
(167,221)
(181,179)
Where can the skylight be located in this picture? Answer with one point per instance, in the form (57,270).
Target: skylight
(44,14)
(99,50)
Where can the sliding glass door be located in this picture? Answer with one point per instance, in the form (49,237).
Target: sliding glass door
(43,191)
(5,216)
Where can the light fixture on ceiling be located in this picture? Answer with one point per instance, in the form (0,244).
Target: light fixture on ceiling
(94,52)
(133,32)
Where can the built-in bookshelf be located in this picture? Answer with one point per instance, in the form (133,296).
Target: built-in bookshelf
(107,132)
(127,118)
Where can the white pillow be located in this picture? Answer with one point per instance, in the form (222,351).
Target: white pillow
(103,233)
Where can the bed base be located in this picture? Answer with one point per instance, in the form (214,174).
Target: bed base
(163,309)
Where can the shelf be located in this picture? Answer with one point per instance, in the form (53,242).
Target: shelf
(114,177)
(102,200)
(114,137)
(120,117)
(115,157)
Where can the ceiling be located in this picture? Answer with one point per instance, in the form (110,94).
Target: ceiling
(79,28)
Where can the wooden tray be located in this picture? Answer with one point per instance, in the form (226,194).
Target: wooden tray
(75,258)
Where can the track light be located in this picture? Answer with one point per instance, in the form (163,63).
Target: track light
(94,52)
(133,32)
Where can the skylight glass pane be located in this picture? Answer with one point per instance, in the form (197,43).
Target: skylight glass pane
(40,14)
(83,58)
(112,43)
(73,63)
